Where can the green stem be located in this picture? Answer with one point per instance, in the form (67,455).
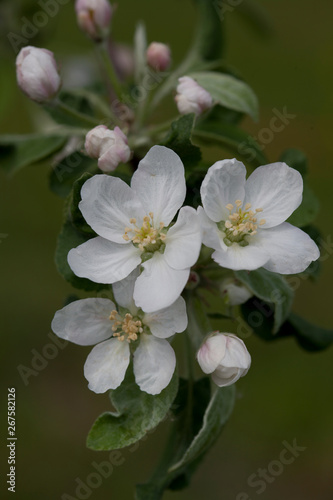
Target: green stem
(107,63)
(85,119)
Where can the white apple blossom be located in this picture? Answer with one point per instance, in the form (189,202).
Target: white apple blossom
(118,333)
(191,97)
(134,227)
(235,292)
(244,220)
(109,146)
(225,357)
(37,74)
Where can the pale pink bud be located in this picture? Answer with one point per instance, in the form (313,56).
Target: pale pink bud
(93,17)
(235,292)
(37,74)
(158,56)
(191,97)
(225,357)
(110,147)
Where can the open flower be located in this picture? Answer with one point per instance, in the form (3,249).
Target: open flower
(243,220)
(134,228)
(118,333)
(225,357)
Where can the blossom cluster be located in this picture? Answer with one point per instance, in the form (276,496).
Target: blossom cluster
(145,246)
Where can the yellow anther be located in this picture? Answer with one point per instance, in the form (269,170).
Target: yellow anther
(263,221)
(247,206)
(133,220)
(229,207)
(228,224)
(238,203)
(161,225)
(126,237)
(259,209)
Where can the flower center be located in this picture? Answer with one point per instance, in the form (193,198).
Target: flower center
(146,237)
(240,223)
(125,327)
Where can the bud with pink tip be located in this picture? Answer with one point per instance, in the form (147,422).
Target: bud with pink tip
(191,97)
(93,17)
(225,357)
(234,292)
(37,73)
(158,56)
(109,146)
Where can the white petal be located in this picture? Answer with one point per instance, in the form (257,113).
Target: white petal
(211,353)
(237,258)
(168,321)
(290,249)
(212,237)
(159,183)
(159,285)
(277,189)
(108,204)
(154,364)
(223,184)
(84,322)
(106,365)
(183,240)
(123,291)
(224,376)
(103,261)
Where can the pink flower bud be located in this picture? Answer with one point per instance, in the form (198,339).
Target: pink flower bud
(109,146)
(191,97)
(93,17)
(37,74)
(225,357)
(158,56)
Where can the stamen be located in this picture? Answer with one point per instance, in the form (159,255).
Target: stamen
(247,206)
(259,209)
(229,207)
(238,203)
(146,235)
(263,221)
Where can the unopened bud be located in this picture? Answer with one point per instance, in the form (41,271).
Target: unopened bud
(93,17)
(110,147)
(37,74)
(234,292)
(158,56)
(191,97)
(225,357)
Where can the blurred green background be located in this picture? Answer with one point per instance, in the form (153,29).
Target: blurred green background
(287,394)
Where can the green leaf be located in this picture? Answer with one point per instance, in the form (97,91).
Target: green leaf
(69,238)
(208,41)
(136,413)
(74,213)
(228,91)
(18,151)
(68,170)
(233,138)
(270,288)
(77,109)
(308,209)
(310,337)
(216,415)
(179,140)
(296,159)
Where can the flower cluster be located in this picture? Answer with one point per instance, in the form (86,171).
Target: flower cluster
(147,253)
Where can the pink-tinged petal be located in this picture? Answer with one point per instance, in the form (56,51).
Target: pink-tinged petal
(168,321)
(183,240)
(290,249)
(103,261)
(84,322)
(159,285)
(106,365)
(277,189)
(223,184)
(211,353)
(154,364)
(159,183)
(108,204)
